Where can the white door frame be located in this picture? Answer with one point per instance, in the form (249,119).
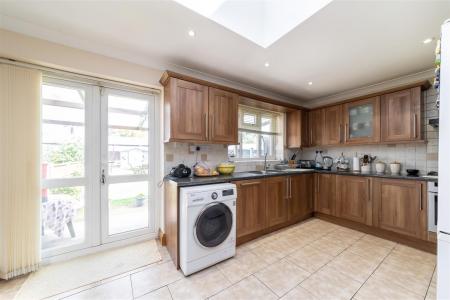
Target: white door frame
(151,177)
(95,217)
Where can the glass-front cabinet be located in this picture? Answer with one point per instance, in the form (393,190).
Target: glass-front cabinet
(362,121)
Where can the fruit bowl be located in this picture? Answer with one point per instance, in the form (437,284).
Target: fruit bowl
(226,169)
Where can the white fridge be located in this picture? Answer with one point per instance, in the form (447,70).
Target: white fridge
(443,229)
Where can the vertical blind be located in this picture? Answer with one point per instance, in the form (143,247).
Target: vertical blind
(19,170)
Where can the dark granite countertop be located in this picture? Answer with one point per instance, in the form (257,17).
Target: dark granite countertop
(193,181)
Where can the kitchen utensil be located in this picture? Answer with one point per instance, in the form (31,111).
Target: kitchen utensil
(327,162)
(380,167)
(365,169)
(342,164)
(412,172)
(395,168)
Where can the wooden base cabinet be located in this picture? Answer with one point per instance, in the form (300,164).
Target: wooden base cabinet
(400,206)
(301,194)
(353,199)
(277,191)
(325,199)
(251,207)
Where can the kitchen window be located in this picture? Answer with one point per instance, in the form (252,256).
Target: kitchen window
(260,131)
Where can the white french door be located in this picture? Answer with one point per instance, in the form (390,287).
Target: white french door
(127,167)
(99,162)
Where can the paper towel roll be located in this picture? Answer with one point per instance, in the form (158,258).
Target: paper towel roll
(356,164)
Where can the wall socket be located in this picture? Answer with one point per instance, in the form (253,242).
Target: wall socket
(199,148)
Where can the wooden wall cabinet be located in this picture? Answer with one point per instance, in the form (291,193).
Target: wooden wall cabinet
(223,116)
(353,198)
(277,191)
(251,207)
(362,121)
(325,194)
(400,206)
(186,111)
(196,113)
(401,116)
(300,194)
(332,125)
(297,129)
(316,120)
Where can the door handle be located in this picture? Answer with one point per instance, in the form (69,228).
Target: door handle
(250,183)
(287,187)
(103,177)
(290,187)
(205,120)
(368,190)
(345,132)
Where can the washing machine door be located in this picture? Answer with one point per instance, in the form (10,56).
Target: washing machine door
(213,225)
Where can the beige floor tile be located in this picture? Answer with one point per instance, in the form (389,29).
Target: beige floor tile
(415,280)
(369,251)
(431,293)
(154,277)
(160,294)
(235,269)
(248,288)
(371,239)
(282,276)
(354,266)
(348,236)
(298,293)
(422,267)
(9,288)
(377,288)
(414,254)
(328,283)
(309,258)
(200,285)
(329,245)
(292,243)
(269,252)
(119,289)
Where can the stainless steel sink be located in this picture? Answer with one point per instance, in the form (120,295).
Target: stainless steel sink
(265,172)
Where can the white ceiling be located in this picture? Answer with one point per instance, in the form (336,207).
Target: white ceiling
(345,45)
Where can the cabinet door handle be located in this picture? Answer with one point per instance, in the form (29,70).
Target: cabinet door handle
(250,183)
(421,204)
(287,187)
(345,132)
(290,187)
(340,133)
(310,137)
(205,122)
(368,190)
(415,125)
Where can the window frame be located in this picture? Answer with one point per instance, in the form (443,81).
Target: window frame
(277,131)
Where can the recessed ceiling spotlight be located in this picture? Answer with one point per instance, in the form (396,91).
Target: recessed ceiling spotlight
(428,40)
(191,32)
(310,83)
(266,64)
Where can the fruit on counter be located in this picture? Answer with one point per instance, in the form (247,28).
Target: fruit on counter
(226,168)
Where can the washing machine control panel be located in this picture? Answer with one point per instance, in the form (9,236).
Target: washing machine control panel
(214,196)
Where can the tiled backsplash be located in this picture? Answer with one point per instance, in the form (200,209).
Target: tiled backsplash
(423,157)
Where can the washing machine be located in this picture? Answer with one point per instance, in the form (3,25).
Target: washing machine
(207,225)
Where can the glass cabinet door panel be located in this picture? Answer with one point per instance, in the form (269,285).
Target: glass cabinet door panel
(361,121)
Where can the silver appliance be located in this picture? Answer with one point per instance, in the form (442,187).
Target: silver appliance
(432,206)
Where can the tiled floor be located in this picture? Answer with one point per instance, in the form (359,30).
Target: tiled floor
(311,260)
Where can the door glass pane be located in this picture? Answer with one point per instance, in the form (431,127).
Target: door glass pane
(62,216)
(361,121)
(63,145)
(128,206)
(127,136)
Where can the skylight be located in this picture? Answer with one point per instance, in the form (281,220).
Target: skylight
(260,21)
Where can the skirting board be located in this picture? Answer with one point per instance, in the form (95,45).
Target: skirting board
(162,237)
